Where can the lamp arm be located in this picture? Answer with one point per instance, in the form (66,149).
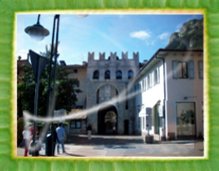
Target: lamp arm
(38,19)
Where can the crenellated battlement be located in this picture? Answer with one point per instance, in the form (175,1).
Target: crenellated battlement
(90,56)
(113,56)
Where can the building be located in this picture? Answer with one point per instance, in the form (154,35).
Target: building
(169,94)
(170,102)
(78,124)
(102,80)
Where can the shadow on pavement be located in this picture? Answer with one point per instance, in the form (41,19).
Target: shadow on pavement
(120,147)
(73,155)
(104,140)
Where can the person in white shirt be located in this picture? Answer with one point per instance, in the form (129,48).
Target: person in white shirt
(26,138)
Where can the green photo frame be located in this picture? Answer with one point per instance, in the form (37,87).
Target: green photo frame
(8,159)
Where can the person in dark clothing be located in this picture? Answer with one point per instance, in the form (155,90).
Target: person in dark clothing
(89,131)
(51,141)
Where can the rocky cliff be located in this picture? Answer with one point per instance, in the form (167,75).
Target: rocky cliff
(190,36)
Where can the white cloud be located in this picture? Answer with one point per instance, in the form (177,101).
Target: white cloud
(164,36)
(142,35)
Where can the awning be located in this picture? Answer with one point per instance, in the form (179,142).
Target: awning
(142,112)
(145,111)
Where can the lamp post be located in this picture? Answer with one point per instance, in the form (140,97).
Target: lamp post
(50,148)
(38,32)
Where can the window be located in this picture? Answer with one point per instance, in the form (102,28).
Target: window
(156,76)
(186,119)
(118,74)
(144,84)
(107,74)
(98,96)
(200,69)
(76,124)
(143,123)
(183,70)
(126,102)
(148,83)
(96,75)
(138,87)
(130,74)
(191,69)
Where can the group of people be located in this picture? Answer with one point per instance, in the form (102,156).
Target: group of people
(28,133)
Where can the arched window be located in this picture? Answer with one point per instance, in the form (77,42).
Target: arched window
(98,96)
(96,75)
(107,74)
(130,74)
(118,74)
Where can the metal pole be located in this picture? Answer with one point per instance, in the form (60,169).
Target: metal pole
(52,75)
(38,19)
(33,148)
(52,64)
(36,96)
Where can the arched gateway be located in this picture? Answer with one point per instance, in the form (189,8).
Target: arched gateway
(107,120)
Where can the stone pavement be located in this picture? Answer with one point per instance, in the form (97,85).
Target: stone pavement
(126,146)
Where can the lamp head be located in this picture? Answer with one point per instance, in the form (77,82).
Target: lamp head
(37,31)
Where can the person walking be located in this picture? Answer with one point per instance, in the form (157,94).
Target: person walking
(60,131)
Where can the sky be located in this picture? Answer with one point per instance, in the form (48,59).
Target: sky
(98,33)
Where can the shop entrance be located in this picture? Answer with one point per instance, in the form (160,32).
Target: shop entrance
(186,120)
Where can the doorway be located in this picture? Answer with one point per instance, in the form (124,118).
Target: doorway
(126,127)
(186,124)
(156,119)
(107,121)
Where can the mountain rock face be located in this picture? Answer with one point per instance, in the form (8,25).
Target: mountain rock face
(190,36)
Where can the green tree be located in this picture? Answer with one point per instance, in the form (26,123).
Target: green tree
(25,90)
(66,91)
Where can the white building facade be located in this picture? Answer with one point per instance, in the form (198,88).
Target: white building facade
(170,105)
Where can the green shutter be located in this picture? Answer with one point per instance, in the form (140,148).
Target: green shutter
(175,68)
(191,69)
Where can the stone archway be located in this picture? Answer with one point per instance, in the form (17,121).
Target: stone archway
(105,93)
(107,120)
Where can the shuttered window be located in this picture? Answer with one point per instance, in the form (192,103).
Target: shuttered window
(183,69)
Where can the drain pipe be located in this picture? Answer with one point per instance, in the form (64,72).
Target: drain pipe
(164,84)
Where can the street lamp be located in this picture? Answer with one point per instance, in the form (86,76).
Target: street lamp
(39,32)
(50,149)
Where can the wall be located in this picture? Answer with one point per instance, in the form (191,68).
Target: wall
(184,90)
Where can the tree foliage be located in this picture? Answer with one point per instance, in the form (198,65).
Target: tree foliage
(66,91)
